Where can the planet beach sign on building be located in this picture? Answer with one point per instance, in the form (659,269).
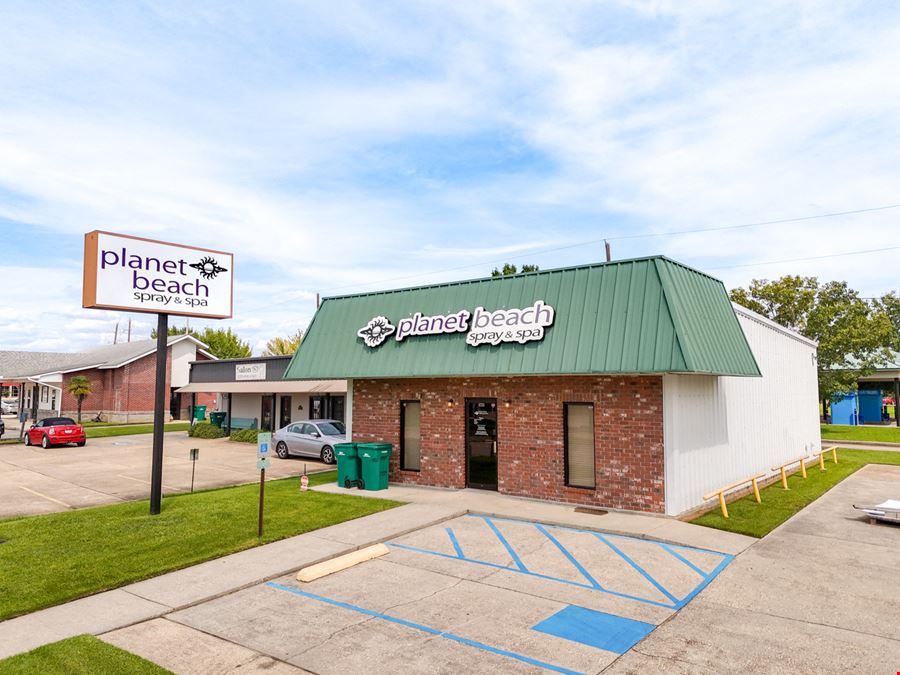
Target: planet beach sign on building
(143,275)
(481,326)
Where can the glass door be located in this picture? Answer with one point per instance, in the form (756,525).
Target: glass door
(285,412)
(481,443)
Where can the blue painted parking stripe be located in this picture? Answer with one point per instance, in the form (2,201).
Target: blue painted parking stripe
(543,530)
(455,543)
(703,584)
(613,535)
(425,629)
(506,544)
(680,557)
(637,567)
(531,574)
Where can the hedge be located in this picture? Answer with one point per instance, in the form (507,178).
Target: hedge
(244,435)
(205,430)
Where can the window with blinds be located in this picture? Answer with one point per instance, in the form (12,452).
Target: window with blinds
(580,464)
(410,435)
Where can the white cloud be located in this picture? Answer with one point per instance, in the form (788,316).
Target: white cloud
(344,148)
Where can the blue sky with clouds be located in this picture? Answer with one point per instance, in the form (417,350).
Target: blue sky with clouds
(349,146)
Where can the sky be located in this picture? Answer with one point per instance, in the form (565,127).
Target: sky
(344,147)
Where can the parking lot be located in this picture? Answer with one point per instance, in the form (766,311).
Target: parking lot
(474,593)
(117,469)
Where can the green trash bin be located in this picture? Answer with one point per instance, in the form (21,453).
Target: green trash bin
(375,460)
(218,418)
(347,464)
(199,413)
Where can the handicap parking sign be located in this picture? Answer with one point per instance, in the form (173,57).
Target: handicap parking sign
(262,443)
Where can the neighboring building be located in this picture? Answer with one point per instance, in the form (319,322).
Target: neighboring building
(122,376)
(253,393)
(633,385)
(866,405)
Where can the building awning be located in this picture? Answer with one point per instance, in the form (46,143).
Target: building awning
(268,387)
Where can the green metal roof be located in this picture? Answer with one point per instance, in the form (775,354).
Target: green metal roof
(647,315)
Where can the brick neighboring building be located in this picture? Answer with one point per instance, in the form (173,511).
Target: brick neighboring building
(633,385)
(122,379)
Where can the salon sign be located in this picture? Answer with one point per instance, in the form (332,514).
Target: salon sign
(482,327)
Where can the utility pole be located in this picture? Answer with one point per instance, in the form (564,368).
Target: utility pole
(129,330)
(116,334)
(608,251)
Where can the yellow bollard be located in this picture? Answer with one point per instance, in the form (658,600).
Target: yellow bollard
(834,454)
(756,492)
(784,478)
(822,461)
(803,467)
(722,505)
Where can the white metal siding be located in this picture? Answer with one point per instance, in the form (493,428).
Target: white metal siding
(722,429)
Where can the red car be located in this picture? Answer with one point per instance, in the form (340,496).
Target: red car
(55,431)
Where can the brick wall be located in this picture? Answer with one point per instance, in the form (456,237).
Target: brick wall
(628,434)
(123,394)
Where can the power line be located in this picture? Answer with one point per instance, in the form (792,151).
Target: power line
(815,257)
(641,235)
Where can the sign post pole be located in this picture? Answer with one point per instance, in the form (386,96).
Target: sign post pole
(195,455)
(263,441)
(162,344)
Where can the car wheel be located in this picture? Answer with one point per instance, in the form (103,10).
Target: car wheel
(80,444)
(45,442)
(27,439)
(328,454)
(282,450)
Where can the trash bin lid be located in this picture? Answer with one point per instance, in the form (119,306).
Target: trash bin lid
(346,449)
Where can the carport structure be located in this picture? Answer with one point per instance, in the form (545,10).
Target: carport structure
(477,593)
(885,377)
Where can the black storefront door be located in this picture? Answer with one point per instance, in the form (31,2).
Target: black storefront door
(481,443)
(285,412)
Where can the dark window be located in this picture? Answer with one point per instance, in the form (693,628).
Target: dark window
(332,428)
(410,435)
(579,438)
(57,422)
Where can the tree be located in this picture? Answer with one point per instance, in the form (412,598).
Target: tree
(889,303)
(509,270)
(853,335)
(222,342)
(79,387)
(279,346)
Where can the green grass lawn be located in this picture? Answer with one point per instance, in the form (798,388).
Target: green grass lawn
(128,430)
(81,655)
(62,556)
(757,520)
(842,432)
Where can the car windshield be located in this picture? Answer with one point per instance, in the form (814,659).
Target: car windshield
(58,422)
(332,428)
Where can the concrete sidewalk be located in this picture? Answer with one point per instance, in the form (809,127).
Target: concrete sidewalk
(156,597)
(490,503)
(153,598)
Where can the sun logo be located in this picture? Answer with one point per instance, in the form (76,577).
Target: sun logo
(208,268)
(376,331)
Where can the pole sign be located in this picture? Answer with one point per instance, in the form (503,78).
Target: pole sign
(482,327)
(263,442)
(145,275)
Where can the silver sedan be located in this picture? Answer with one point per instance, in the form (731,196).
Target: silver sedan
(312,438)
